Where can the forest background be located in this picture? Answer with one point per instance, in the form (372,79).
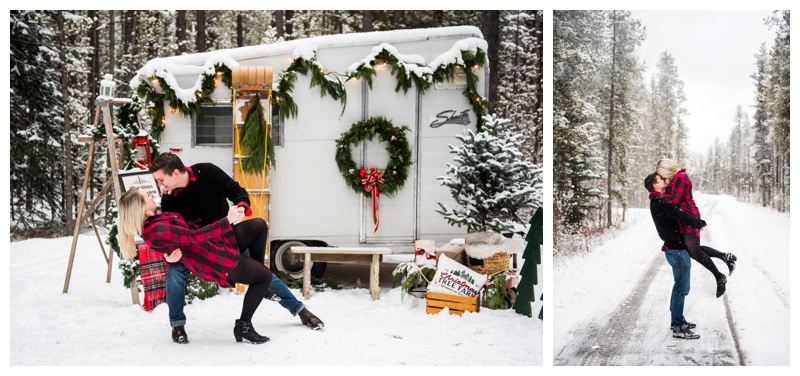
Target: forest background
(612,123)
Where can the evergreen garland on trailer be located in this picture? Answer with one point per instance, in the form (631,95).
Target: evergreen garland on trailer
(256,141)
(286,105)
(533,257)
(490,181)
(333,87)
(471,60)
(405,77)
(156,99)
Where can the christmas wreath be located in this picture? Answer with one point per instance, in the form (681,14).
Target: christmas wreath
(373,182)
(396,172)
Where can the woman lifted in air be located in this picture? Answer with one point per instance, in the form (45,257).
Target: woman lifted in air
(679,192)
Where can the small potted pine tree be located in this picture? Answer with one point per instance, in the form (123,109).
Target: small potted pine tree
(491,183)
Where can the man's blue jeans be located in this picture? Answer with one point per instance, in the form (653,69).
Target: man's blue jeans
(681,272)
(176,294)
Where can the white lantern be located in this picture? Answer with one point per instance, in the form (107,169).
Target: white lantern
(107,86)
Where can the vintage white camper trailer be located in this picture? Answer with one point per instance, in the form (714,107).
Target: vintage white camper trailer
(305,199)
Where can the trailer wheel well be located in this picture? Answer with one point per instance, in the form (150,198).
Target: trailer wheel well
(282,260)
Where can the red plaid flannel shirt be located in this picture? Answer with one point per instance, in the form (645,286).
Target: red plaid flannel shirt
(209,252)
(679,192)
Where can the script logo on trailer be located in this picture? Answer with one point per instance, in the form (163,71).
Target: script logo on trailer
(450,117)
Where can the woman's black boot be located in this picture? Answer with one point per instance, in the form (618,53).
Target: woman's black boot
(244,329)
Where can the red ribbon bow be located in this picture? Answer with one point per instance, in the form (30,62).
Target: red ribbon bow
(422,251)
(370,182)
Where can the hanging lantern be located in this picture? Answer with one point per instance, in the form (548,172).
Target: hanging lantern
(141,147)
(107,86)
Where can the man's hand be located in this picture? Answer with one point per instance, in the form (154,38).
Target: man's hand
(235,214)
(173,257)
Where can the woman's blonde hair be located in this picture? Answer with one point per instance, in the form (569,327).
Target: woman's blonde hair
(129,221)
(667,168)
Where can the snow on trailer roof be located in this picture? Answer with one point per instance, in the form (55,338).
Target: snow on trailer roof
(199,63)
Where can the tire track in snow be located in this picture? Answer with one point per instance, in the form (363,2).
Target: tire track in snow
(707,235)
(603,345)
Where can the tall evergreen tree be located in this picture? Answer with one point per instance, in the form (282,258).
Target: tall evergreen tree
(577,162)
(36,132)
(670,98)
(762,139)
(619,107)
(519,89)
(778,106)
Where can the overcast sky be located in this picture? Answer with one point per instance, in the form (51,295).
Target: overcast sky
(714,52)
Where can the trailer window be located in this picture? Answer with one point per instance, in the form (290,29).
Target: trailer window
(459,82)
(215,126)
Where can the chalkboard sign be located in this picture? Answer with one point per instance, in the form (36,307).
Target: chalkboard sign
(143,179)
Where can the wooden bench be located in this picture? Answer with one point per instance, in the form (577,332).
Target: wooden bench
(343,255)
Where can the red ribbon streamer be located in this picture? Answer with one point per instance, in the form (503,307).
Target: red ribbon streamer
(370,182)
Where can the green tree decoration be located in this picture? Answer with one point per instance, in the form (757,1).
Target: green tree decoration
(532,256)
(255,141)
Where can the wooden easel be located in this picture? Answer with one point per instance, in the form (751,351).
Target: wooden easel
(104,105)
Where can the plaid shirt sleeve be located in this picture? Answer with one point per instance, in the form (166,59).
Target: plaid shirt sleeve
(176,234)
(678,187)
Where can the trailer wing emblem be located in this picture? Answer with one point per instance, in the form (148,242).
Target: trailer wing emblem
(450,117)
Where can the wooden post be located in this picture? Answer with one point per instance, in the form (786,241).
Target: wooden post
(374,272)
(78,222)
(307,277)
(84,213)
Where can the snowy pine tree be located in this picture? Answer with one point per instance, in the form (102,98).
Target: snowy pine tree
(489,181)
(519,89)
(36,132)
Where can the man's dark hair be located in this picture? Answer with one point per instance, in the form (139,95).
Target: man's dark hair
(649,181)
(166,163)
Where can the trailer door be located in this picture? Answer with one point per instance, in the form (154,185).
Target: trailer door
(397,214)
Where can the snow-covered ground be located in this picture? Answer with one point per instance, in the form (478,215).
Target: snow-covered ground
(612,305)
(96,324)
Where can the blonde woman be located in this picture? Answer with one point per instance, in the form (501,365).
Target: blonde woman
(679,192)
(211,252)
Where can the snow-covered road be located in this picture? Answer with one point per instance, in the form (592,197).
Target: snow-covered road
(612,305)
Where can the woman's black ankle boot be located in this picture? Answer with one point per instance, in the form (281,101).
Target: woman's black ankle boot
(244,329)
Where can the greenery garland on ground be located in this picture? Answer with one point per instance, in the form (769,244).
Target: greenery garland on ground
(395,173)
(318,284)
(412,276)
(252,141)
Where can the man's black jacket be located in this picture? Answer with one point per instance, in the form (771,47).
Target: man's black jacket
(666,216)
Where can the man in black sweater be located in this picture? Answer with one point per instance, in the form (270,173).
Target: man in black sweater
(666,216)
(200,194)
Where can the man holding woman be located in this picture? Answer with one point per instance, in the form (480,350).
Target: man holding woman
(200,194)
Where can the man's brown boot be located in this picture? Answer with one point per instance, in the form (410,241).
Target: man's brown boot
(308,319)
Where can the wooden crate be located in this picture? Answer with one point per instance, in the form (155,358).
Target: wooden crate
(436,301)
